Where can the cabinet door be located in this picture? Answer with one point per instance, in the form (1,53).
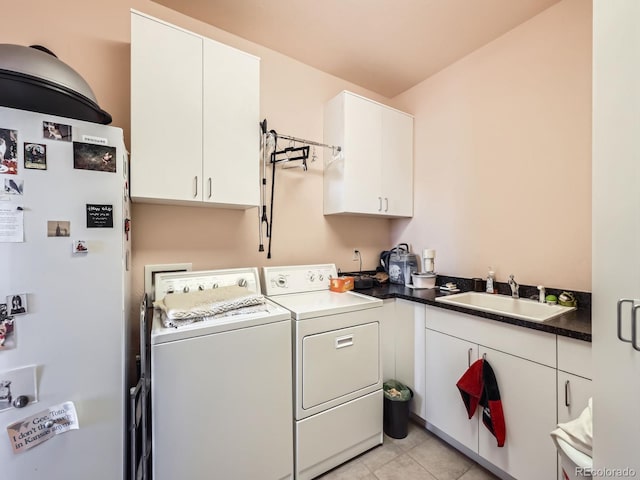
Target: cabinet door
(166,112)
(446,360)
(409,348)
(397,163)
(528,394)
(363,155)
(573,395)
(388,340)
(231,150)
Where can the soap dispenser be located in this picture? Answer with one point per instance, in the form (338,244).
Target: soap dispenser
(490,281)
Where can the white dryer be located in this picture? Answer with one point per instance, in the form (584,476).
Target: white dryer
(337,366)
(221,388)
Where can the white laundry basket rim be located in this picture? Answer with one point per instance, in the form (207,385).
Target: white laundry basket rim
(573,459)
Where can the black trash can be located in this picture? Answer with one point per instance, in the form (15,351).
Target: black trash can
(396,408)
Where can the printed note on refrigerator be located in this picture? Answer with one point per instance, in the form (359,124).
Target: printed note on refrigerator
(11,222)
(38,428)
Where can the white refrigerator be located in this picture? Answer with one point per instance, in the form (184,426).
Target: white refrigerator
(64,260)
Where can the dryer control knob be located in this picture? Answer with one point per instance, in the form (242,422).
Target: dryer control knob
(186,289)
(242,282)
(200,287)
(215,285)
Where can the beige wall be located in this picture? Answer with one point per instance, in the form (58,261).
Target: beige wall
(94,38)
(503,156)
(292,98)
(502,150)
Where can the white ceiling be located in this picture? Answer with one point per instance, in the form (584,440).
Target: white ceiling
(386,46)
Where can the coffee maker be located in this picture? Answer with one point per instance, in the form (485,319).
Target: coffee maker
(428,259)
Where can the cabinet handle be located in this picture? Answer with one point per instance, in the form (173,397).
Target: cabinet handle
(619,318)
(469,352)
(379,204)
(195,186)
(634,336)
(567,403)
(210,188)
(386,204)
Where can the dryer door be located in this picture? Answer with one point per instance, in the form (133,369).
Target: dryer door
(339,362)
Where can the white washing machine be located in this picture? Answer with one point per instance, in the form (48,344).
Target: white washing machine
(221,389)
(337,366)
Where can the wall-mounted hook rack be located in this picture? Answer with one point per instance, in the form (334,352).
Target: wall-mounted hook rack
(271,154)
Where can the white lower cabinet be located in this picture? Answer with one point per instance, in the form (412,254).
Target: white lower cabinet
(388,339)
(447,358)
(574,380)
(528,394)
(574,377)
(524,363)
(402,341)
(543,380)
(410,351)
(573,396)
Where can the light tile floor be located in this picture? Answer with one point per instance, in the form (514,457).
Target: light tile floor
(419,456)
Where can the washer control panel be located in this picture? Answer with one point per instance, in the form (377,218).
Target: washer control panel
(184,282)
(297,278)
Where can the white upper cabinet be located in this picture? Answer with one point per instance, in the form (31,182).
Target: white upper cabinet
(231,148)
(397,163)
(195,135)
(166,111)
(374,174)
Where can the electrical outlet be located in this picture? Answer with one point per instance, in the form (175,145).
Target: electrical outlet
(356,255)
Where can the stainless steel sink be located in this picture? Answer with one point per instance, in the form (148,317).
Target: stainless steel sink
(521,308)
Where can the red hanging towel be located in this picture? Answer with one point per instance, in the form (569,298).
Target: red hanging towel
(470,386)
(478,386)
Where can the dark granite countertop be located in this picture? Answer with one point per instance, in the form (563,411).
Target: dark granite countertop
(575,324)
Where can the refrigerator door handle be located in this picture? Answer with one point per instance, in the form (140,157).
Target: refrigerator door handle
(619,318)
(634,329)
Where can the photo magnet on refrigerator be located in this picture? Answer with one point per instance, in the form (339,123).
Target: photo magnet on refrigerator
(8,151)
(80,247)
(99,216)
(7,327)
(44,425)
(19,382)
(17,304)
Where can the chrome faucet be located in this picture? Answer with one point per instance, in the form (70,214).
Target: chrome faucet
(542,295)
(514,287)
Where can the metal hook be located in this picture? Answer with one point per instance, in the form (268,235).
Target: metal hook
(484,356)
